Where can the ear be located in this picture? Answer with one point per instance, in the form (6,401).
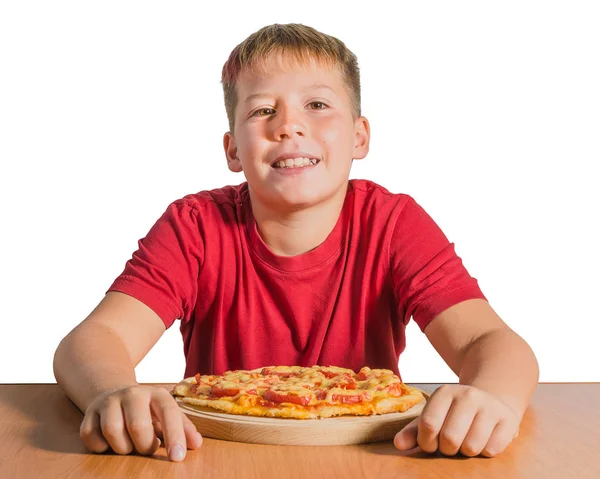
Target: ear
(362,138)
(233,162)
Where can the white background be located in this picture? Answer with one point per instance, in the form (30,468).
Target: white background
(487,113)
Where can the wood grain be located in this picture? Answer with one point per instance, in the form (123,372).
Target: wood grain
(39,437)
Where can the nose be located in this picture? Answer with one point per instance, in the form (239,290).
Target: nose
(288,124)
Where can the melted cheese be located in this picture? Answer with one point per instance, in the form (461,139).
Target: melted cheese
(302,382)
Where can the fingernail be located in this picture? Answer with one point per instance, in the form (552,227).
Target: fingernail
(176,453)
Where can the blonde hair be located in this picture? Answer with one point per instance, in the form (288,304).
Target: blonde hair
(302,44)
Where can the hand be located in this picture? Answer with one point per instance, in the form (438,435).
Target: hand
(134,418)
(461,418)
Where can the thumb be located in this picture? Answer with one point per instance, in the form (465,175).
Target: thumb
(407,437)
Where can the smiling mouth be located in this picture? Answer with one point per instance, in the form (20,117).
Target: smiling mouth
(295,163)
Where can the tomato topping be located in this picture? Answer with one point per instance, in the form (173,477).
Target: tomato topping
(350,399)
(395,389)
(343,398)
(328,374)
(345,381)
(362,376)
(273,372)
(194,388)
(271,379)
(221,392)
(280,397)
(321,394)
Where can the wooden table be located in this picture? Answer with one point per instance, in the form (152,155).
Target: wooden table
(559,437)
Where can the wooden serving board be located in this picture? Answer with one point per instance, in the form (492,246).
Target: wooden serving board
(300,432)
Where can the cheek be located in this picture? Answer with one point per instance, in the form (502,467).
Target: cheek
(330,137)
(247,147)
(334,134)
(330,133)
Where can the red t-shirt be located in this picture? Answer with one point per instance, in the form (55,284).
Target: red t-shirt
(345,303)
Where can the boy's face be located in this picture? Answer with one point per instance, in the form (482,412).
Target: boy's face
(295,112)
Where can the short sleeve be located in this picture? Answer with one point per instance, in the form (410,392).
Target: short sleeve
(428,275)
(163,272)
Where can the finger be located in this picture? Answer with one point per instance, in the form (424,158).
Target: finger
(171,419)
(456,426)
(113,428)
(157,429)
(501,437)
(136,411)
(91,434)
(479,434)
(432,419)
(192,436)
(407,438)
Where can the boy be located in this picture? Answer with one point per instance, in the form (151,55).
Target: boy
(298,266)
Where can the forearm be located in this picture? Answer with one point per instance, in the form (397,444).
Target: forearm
(503,364)
(92,360)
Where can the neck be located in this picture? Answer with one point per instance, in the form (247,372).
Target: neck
(293,232)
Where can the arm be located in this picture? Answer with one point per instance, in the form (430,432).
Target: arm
(485,353)
(94,365)
(119,324)
(497,372)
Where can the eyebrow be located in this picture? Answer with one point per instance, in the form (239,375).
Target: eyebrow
(314,86)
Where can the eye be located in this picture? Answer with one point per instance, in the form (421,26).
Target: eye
(263,112)
(318,105)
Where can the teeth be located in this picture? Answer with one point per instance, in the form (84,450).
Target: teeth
(300,161)
(296,162)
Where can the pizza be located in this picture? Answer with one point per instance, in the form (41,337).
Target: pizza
(299,392)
